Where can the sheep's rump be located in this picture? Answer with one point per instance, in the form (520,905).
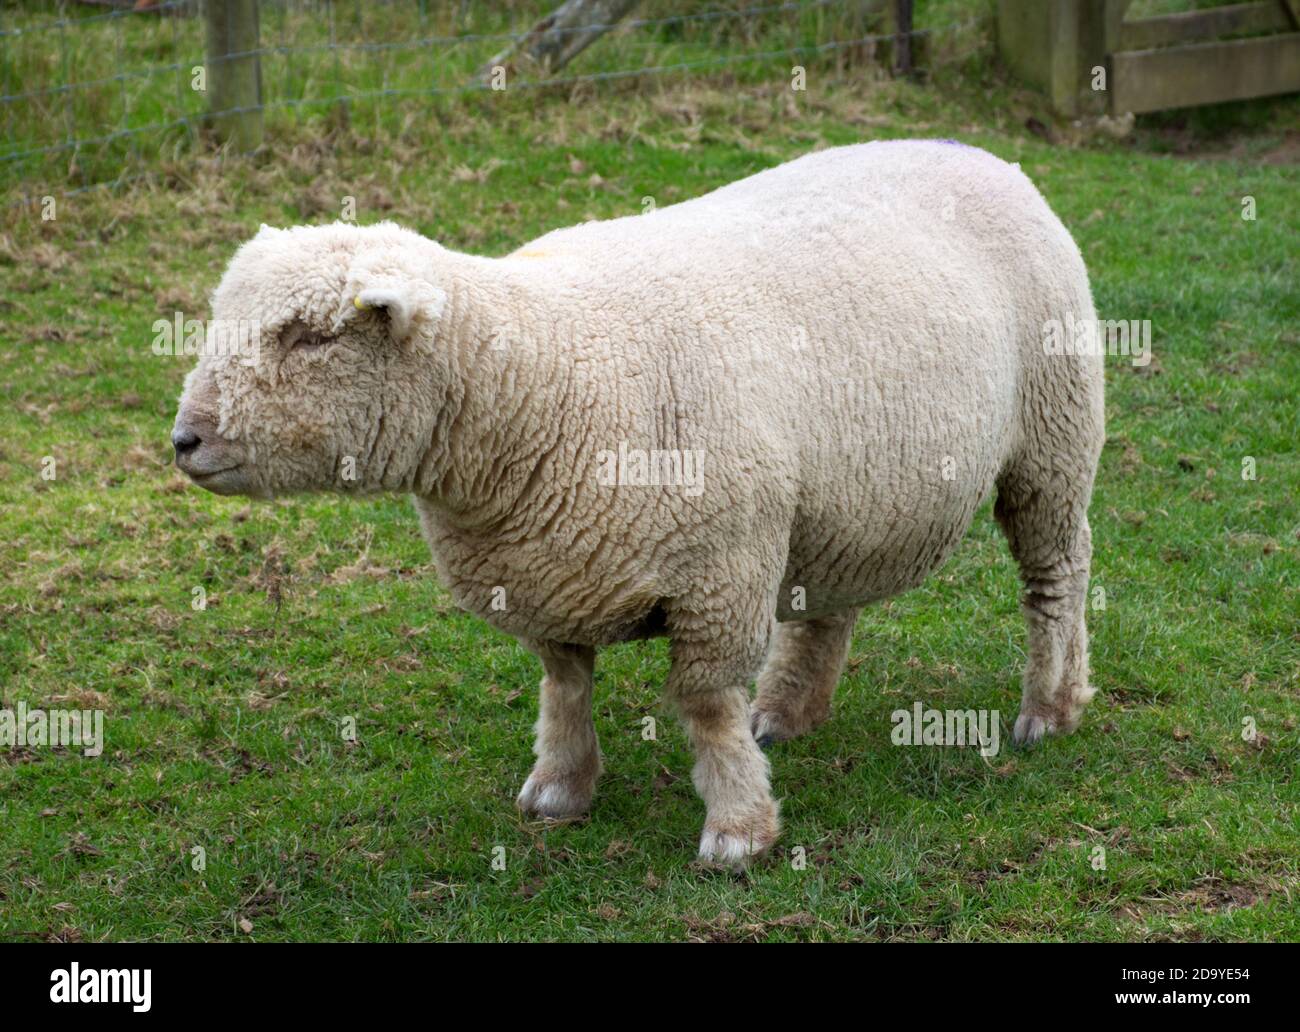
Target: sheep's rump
(852,340)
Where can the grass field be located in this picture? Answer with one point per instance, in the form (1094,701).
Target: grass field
(223,726)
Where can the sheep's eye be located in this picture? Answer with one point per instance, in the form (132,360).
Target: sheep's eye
(299,336)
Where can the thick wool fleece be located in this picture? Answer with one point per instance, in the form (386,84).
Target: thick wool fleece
(844,353)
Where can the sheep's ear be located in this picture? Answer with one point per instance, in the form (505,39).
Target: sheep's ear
(411,303)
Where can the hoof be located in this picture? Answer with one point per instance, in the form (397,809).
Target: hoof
(780,724)
(769,726)
(1033,725)
(1030,729)
(734,845)
(554,796)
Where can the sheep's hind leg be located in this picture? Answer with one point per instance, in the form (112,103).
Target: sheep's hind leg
(799,677)
(1050,539)
(563,779)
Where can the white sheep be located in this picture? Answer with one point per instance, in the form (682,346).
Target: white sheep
(733,421)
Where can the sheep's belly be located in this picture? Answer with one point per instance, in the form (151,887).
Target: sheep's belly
(866,574)
(863,553)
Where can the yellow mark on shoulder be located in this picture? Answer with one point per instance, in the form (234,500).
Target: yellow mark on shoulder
(532,252)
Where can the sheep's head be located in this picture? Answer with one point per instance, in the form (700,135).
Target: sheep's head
(320,368)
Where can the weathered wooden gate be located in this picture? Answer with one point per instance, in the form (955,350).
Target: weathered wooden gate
(1150,64)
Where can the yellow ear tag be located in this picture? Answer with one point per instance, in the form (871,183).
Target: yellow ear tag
(357,301)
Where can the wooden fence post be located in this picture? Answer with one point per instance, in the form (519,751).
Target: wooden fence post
(1056,44)
(234,72)
(903,39)
(898,26)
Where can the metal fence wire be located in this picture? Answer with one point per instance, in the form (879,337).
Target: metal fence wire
(93,91)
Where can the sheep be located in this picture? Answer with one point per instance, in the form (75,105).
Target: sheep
(733,422)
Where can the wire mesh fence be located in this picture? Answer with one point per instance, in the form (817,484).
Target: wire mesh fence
(96,93)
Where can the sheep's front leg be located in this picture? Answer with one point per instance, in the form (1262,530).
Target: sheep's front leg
(708,686)
(568,756)
(731,775)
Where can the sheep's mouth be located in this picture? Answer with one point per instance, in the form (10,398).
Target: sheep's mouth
(224,481)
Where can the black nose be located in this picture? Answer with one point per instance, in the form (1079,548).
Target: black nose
(184,440)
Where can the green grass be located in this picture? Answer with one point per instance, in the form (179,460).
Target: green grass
(223,726)
(122,87)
